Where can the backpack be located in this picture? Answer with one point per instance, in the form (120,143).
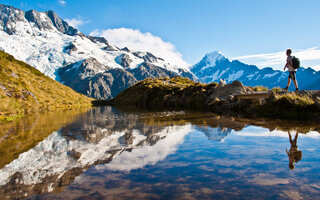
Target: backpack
(295,62)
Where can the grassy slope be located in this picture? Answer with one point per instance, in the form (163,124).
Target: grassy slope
(17,78)
(164,93)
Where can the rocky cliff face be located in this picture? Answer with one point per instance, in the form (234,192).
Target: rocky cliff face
(45,41)
(16,21)
(96,80)
(93,79)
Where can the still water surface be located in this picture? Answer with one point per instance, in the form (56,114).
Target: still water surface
(105,153)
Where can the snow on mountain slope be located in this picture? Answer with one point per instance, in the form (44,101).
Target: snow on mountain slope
(46,52)
(212,58)
(45,41)
(214,66)
(209,60)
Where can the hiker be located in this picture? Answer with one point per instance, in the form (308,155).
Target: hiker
(291,69)
(294,154)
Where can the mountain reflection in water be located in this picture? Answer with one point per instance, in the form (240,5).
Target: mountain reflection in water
(113,154)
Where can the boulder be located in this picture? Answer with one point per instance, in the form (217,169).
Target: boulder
(225,91)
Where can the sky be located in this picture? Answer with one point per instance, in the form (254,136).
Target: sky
(183,31)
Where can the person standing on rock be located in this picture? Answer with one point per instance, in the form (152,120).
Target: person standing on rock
(291,69)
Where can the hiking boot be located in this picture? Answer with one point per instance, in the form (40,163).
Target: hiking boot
(286,88)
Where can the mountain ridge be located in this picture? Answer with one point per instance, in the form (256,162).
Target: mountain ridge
(45,41)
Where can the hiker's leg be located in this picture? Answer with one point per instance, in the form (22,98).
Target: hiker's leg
(289,81)
(293,76)
(295,83)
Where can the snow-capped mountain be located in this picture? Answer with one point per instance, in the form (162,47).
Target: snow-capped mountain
(214,66)
(45,41)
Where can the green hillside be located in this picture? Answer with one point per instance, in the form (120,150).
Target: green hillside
(24,89)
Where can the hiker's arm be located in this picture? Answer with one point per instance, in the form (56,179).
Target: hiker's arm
(286,66)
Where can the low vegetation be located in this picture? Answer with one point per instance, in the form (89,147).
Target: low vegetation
(260,89)
(182,93)
(293,105)
(276,89)
(177,92)
(24,89)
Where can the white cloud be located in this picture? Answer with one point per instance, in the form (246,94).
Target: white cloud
(76,22)
(138,41)
(62,2)
(308,57)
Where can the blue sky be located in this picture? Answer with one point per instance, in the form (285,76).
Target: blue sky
(261,29)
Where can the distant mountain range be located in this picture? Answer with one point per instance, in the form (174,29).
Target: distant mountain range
(214,66)
(90,65)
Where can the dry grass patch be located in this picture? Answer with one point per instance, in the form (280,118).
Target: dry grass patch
(24,89)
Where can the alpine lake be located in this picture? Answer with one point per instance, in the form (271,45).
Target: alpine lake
(113,153)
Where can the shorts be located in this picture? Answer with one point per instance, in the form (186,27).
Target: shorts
(292,75)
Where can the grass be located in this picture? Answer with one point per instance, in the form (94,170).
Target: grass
(276,89)
(263,89)
(260,89)
(10,118)
(24,89)
(290,106)
(176,92)
(294,100)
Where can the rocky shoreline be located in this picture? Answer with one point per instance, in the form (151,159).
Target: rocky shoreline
(183,93)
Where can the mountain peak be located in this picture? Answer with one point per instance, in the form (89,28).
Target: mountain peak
(11,18)
(213,57)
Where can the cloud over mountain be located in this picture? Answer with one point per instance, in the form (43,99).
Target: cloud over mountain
(136,40)
(62,3)
(309,58)
(76,22)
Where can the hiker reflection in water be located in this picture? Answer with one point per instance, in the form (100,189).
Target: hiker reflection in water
(294,154)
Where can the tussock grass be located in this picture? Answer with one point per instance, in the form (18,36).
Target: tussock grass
(291,106)
(260,89)
(276,89)
(176,92)
(295,100)
(24,89)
